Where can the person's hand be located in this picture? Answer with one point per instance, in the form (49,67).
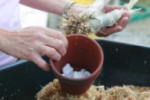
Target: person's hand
(33,42)
(107,30)
(121,24)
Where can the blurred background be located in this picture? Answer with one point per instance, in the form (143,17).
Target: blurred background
(136,32)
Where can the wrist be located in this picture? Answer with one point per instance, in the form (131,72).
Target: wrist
(67,7)
(4,37)
(73,7)
(77,8)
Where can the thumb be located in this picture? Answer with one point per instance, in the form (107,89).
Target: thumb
(41,63)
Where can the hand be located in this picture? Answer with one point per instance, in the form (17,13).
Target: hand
(30,43)
(116,28)
(108,30)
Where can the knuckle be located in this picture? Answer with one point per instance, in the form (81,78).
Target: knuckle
(29,54)
(59,35)
(37,35)
(53,54)
(60,44)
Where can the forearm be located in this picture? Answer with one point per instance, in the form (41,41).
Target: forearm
(53,6)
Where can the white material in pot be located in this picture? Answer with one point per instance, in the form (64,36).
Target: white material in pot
(69,72)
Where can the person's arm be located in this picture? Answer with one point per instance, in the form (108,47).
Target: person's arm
(30,43)
(57,7)
(53,6)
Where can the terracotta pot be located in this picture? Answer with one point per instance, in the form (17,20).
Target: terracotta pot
(82,52)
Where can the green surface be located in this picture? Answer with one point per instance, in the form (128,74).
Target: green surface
(143,13)
(141,2)
(144,2)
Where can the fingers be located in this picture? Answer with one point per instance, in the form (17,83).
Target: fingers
(124,20)
(108,31)
(119,27)
(54,44)
(57,35)
(122,23)
(57,44)
(50,52)
(41,63)
(37,41)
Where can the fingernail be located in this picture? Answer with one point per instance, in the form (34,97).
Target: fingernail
(64,52)
(126,19)
(119,28)
(46,67)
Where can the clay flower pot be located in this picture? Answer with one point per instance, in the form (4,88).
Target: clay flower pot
(82,52)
